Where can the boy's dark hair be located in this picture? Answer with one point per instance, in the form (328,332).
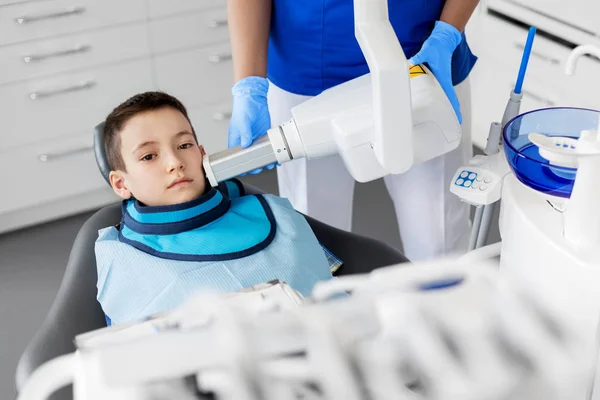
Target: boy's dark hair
(142,102)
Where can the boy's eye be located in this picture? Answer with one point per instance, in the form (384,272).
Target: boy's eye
(185,146)
(148,157)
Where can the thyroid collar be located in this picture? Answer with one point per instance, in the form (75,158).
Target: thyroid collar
(210,228)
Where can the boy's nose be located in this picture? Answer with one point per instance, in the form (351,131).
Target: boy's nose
(175,163)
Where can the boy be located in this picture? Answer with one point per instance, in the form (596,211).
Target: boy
(178,235)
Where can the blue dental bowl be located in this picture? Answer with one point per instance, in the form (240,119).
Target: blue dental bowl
(523,156)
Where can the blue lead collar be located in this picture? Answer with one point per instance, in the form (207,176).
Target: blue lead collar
(210,228)
(177,218)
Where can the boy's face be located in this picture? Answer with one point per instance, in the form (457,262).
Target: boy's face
(162,159)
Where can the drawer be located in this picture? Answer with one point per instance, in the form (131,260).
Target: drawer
(7,2)
(189,30)
(546,64)
(78,51)
(196,77)
(546,59)
(70,169)
(582,14)
(211,124)
(68,103)
(491,85)
(36,20)
(161,8)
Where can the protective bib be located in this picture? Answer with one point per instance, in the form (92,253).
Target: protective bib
(161,256)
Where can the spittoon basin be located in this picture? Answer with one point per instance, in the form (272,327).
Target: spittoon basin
(523,156)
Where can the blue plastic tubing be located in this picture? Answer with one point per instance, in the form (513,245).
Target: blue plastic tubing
(525,59)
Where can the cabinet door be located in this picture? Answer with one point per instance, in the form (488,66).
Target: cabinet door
(491,85)
(547,62)
(74,52)
(582,14)
(42,19)
(545,85)
(211,124)
(7,2)
(198,76)
(188,31)
(68,103)
(48,171)
(161,8)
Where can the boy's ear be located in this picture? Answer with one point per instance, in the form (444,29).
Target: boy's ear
(202,149)
(117,181)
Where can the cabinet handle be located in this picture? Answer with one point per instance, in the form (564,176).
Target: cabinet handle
(69,11)
(222,115)
(53,156)
(84,85)
(541,56)
(60,53)
(217,23)
(218,58)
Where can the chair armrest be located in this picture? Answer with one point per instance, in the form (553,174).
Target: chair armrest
(360,254)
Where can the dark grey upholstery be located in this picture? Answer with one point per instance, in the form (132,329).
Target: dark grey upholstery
(75,309)
(100,152)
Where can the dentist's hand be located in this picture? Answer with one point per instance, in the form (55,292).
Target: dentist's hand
(437,53)
(250,117)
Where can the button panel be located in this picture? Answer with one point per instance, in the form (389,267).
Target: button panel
(473,180)
(466,179)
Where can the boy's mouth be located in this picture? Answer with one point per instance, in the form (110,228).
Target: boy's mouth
(179,182)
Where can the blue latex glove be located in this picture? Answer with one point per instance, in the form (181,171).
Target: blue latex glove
(250,116)
(437,53)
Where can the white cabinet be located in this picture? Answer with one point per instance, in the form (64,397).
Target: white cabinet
(545,85)
(211,123)
(198,76)
(40,19)
(6,2)
(66,64)
(48,171)
(67,103)
(74,52)
(161,8)
(189,30)
(582,14)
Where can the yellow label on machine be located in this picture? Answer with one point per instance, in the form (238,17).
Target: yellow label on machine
(416,70)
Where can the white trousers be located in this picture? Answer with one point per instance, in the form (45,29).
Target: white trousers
(432,221)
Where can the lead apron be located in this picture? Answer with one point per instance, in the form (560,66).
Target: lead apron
(163,255)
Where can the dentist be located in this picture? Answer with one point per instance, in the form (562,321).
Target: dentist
(285,51)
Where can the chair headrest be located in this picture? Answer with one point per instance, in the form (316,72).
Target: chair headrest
(99,151)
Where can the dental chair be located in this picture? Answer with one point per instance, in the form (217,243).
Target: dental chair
(75,309)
